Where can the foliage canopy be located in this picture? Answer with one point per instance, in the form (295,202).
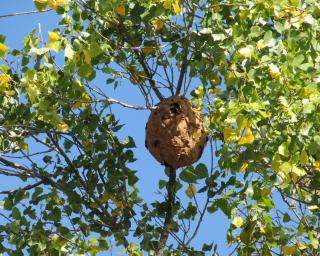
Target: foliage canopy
(257,63)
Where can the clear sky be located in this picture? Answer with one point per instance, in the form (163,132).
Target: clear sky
(149,171)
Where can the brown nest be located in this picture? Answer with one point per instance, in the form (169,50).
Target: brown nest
(175,132)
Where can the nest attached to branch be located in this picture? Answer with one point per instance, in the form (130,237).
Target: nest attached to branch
(175,132)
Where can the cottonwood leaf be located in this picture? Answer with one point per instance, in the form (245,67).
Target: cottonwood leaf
(248,138)
(191,191)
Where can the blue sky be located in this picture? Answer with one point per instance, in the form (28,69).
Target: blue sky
(149,171)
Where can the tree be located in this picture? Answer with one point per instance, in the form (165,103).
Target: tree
(258,66)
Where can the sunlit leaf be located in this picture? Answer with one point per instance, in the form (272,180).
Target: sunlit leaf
(3,50)
(230,135)
(237,221)
(244,166)
(246,51)
(121,10)
(157,24)
(274,71)
(63,127)
(167,4)
(289,250)
(23,146)
(191,191)
(176,7)
(41,4)
(248,138)
(53,37)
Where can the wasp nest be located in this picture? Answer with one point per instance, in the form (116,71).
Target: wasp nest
(175,132)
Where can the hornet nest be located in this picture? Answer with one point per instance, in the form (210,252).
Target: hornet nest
(175,132)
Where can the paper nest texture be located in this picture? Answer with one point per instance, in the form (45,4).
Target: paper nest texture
(175,132)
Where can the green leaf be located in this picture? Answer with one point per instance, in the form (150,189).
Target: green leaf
(285,167)
(188,175)
(278,27)
(201,171)
(85,71)
(283,149)
(162,184)
(95,49)
(304,159)
(129,142)
(15,213)
(286,218)
(224,206)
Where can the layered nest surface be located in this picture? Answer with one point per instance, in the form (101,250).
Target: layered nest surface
(175,132)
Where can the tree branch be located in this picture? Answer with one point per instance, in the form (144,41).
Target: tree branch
(16,166)
(169,213)
(22,13)
(31,186)
(123,104)
(185,52)
(126,37)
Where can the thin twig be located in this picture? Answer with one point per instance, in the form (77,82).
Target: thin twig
(22,13)
(31,186)
(114,101)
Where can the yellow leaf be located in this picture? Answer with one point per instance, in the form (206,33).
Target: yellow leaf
(214,90)
(5,79)
(191,191)
(87,56)
(237,221)
(157,24)
(199,105)
(84,101)
(10,92)
(54,237)
(316,165)
(3,50)
(63,127)
(121,10)
(104,198)
(216,8)
(176,7)
(248,138)
(301,246)
(196,135)
(53,37)
(87,145)
(23,146)
(274,71)
(45,56)
(230,135)
(94,205)
(167,4)
(148,49)
(200,91)
(265,192)
(289,250)
(244,166)
(54,4)
(260,45)
(119,204)
(41,4)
